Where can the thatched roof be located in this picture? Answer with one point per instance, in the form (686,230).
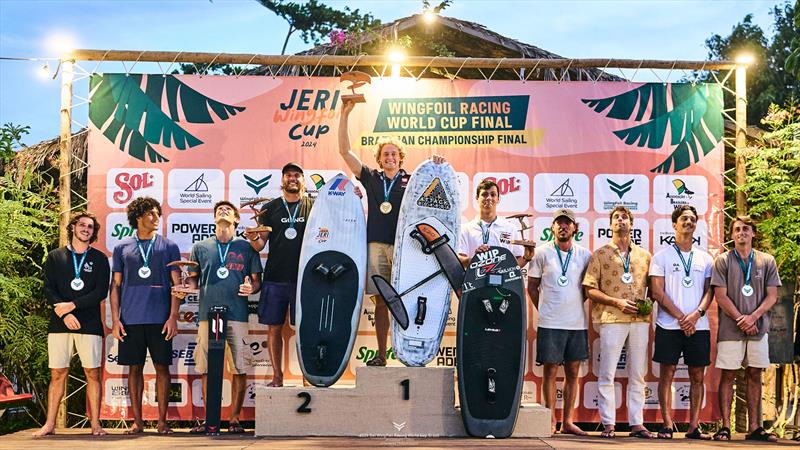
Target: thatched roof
(44,158)
(459,38)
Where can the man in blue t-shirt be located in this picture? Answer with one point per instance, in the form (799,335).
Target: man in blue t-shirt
(144,313)
(228,271)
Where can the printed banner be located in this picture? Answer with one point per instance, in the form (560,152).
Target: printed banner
(190,141)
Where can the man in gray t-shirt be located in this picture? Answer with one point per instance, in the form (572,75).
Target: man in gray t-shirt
(745,284)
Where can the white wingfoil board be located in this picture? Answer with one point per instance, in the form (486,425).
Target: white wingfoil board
(431,197)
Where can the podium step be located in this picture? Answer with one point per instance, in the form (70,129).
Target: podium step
(385,402)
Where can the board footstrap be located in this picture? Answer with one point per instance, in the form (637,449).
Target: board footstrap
(491,385)
(422,309)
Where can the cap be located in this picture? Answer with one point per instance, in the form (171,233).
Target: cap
(292,166)
(565,213)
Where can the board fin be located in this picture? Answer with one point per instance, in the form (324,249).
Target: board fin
(392,300)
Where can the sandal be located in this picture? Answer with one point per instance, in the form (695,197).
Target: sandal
(664,433)
(235,428)
(377,361)
(200,429)
(724,434)
(642,434)
(760,434)
(697,434)
(607,434)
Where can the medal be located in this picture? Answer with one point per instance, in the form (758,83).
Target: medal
(747,289)
(687,280)
(144,271)
(222,272)
(76,284)
(386,207)
(485,230)
(626,277)
(563,280)
(290,232)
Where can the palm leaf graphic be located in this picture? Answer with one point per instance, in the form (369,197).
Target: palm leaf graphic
(133,119)
(694,120)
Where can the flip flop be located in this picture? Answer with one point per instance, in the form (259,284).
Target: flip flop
(642,434)
(377,361)
(607,434)
(200,429)
(697,434)
(760,434)
(724,434)
(665,433)
(235,428)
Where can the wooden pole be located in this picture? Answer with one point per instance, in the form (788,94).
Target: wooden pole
(741,137)
(64,186)
(380,60)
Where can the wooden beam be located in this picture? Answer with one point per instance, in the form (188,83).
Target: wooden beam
(741,138)
(379,60)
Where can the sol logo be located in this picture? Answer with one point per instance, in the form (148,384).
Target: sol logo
(506,185)
(129,183)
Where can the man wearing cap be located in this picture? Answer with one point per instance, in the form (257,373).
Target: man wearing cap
(385,190)
(554,285)
(287,216)
(746,285)
(615,278)
(488,229)
(680,276)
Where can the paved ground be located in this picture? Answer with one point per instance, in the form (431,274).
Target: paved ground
(78,439)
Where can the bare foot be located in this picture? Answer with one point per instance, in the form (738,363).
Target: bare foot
(571,428)
(97,430)
(135,429)
(276,382)
(163,428)
(46,430)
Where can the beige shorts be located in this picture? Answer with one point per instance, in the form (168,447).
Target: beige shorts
(733,355)
(60,349)
(379,263)
(235,350)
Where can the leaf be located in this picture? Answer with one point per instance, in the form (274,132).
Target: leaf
(696,112)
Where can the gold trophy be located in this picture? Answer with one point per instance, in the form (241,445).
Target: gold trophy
(184,287)
(523,226)
(357,79)
(252,204)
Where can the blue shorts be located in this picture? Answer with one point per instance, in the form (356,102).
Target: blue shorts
(275,299)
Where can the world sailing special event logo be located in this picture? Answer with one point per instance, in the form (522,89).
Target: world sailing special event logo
(631,191)
(561,190)
(671,191)
(514,189)
(124,185)
(195,188)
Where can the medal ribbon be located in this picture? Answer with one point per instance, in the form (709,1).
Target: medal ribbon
(564,264)
(77,265)
(145,254)
(485,230)
(388,189)
(746,270)
(626,262)
(686,267)
(292,215)
(223,254)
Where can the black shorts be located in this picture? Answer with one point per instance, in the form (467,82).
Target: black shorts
(696,349)
(554,346)
(140,339)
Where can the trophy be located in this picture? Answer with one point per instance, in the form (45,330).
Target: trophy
(357,79)
(523,226)
(252,204)
(184,287)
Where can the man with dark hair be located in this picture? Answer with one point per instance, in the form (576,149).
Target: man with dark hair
(554,285)
(615,278)
(75,283)
(385,189)
(143,311)
(680,276)
(228,271)
(488,229)
(746,285)
(287,216)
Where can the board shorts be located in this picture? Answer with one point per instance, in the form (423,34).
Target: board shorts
(555,346)
(670,344)
(236,347)
(379,262)
(60,349)
(275,300)
(140,339)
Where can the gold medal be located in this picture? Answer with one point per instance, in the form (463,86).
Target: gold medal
(386,207)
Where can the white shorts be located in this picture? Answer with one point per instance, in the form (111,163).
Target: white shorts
(733,355)
(235,350)
(60,349)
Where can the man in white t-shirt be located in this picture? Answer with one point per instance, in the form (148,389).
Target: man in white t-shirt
(554,284)
(488,229)
(680,276)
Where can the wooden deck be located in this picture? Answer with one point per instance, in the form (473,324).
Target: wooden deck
(79,439)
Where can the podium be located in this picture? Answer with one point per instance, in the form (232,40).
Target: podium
(385,402)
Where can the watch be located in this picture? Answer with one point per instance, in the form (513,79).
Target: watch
(702,312)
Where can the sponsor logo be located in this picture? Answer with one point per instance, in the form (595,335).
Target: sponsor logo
(487,261)
(669,240)
(257,183)
(640,233)
(563,190)
(365,354)
(318,180)
(121,231)
(446,356)
(338,188)
(198,185)
(434,196)
(88,267)
(126,184)
(187,354)
(399,426)
(323,235)
(547,235)
(506,185)
(195,188)
(680,187)
(129,183)
(620,188)
(669,192)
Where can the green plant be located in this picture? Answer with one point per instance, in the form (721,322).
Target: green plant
(11,138)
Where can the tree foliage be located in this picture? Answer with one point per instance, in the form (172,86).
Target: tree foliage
(768,81)
(793,61)
(11,139)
